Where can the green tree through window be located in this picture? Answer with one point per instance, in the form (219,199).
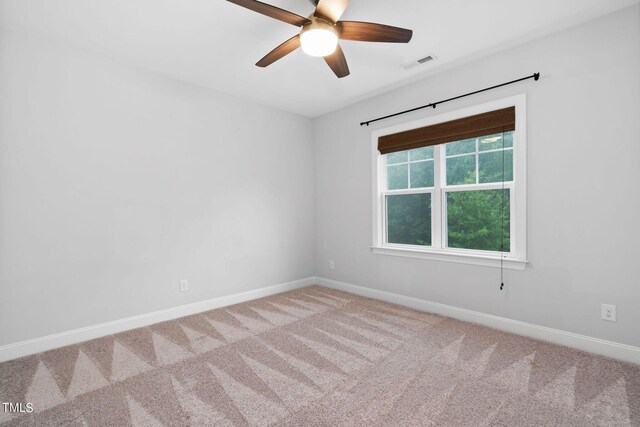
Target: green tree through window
(474,220)
(409,219)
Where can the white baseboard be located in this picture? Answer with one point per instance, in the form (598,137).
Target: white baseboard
(37,345)
(611,349)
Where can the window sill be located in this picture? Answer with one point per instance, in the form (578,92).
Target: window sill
(449,256)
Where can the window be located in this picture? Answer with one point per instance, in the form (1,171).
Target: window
(462,200)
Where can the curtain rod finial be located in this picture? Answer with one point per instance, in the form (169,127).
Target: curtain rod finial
(536,76)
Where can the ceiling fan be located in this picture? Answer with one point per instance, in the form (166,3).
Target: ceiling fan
(321,31)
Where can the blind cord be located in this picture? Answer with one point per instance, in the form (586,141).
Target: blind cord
(502,221)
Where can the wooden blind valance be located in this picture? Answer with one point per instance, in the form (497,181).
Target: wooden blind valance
(497,121)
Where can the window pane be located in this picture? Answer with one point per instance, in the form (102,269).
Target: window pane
(397,177)
(461,170)
(421,154)
(409,219)
(461,147)
(490,166)
(474,220)
(399,157)
(493,142)
(421,174)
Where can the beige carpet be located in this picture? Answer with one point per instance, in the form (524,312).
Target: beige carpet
(316,356)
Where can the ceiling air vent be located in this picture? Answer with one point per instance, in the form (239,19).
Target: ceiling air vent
(419,61)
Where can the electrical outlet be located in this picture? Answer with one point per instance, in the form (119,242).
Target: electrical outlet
(608,312)
(332,265)
(184,285)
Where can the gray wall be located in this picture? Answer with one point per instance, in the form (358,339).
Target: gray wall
(116,183)
(583,176)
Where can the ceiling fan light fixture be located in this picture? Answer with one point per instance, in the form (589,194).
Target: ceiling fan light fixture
(319,39)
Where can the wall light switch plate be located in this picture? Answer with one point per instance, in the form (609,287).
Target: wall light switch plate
(332,265)
(608,312)
(184,285)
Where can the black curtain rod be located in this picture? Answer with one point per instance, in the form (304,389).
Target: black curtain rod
(534,76)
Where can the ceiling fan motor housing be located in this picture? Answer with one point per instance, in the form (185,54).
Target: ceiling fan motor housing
(318,24)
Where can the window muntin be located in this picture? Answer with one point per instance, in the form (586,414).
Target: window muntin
(479,160)
(410,169)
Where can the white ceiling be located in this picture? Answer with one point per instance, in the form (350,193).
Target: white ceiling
(215,44)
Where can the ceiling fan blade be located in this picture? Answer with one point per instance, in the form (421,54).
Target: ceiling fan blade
(281,51)
(370,32)
(331,10)
(338,62)
(272,12)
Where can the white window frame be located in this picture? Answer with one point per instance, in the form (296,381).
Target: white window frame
(517,258)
